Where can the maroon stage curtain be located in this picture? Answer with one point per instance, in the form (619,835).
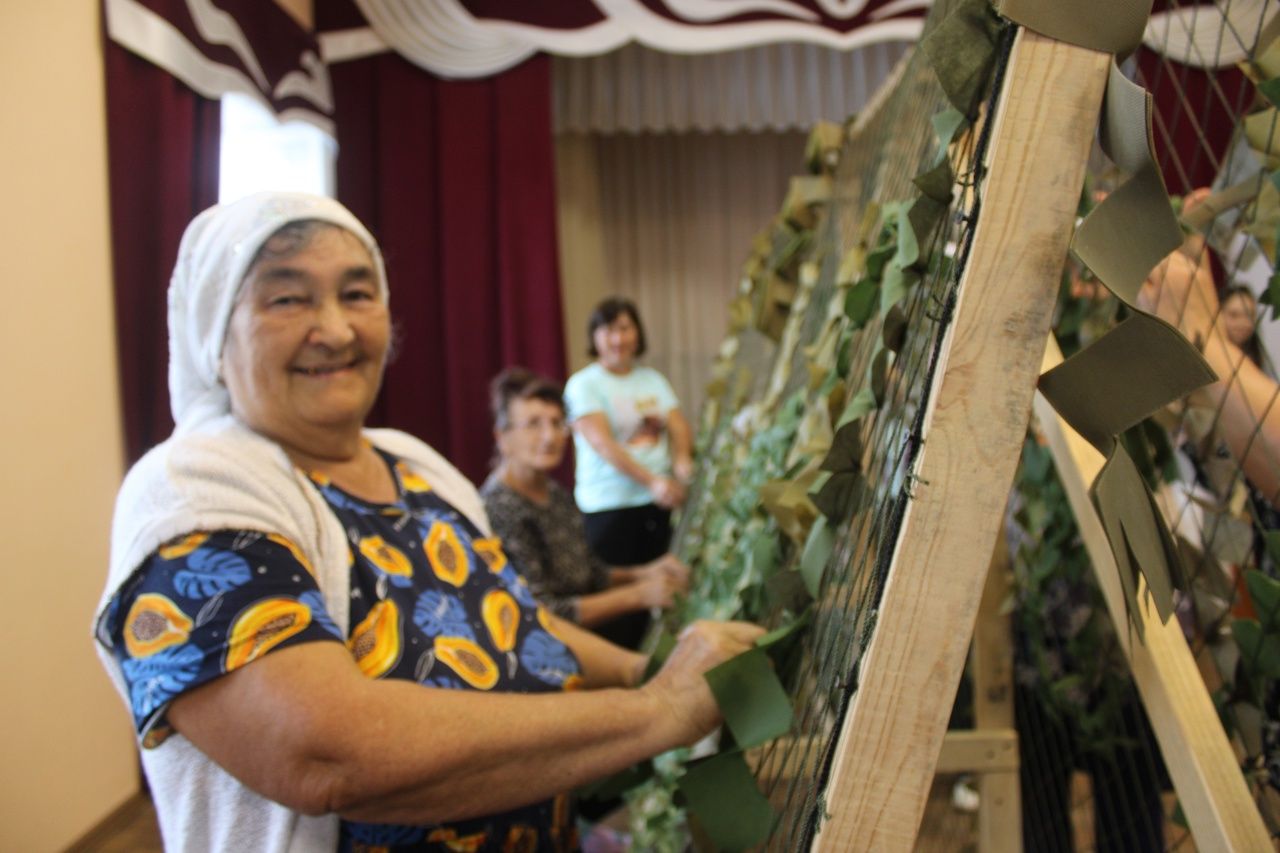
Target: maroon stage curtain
(162,148)
(456,180)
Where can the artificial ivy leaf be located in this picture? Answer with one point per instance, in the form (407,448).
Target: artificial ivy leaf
(846,450)
(946,124)
(839,494)
(879,374)
(816,555)
(924,216)
(1272,295)
(785,590)
(1248,719)
(893,288)
(897,281)
(1265,593)
(862,403)
(1259,650)
(879,256)
(1270,90)
(1273,545)
(894,330)
(860,303)
(936,182)
(908,243)
(722,794)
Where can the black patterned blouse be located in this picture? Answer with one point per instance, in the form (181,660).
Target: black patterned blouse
(549,543)
(432,601)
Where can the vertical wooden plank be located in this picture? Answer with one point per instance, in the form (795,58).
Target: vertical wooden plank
(1204,769)
(890,737)
(999,797)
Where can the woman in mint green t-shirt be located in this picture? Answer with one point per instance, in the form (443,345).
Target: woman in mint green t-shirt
(632,445)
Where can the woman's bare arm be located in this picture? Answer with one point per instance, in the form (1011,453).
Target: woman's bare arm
(1180,290)
(594,427)
(302,726)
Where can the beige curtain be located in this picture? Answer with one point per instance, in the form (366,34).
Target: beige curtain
(667,221)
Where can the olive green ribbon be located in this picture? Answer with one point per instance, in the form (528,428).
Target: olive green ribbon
(1111,26)
(1141,365)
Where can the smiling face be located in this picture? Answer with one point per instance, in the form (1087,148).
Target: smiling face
(616,343)
(1239,316)
(308,338)
(535,435)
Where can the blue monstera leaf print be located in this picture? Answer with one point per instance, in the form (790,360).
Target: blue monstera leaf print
(547,658)
(158,678)
(438,614)
(209,571)
(384,834)
(319,612)
(516,586)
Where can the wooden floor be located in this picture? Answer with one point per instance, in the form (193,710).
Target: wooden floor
(132,828)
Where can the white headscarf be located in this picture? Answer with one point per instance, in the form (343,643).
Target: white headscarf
(213,258)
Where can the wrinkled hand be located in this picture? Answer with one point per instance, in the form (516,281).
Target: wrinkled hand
(667,492)
(672,567)
(679,685)
(654,590)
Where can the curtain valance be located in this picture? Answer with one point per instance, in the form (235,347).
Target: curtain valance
(247,46)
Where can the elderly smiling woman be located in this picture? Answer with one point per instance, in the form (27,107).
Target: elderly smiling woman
(322,645)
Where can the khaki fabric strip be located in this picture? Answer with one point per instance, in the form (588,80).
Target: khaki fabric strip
(1114,26)
(1138,367)
(1128,234)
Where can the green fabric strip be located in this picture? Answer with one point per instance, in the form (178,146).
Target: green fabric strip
(722,794)
(755,707)
(1113,26)
(1124,376)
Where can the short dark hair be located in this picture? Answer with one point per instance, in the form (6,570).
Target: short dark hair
(520,383)
(1238,290)
(608,311)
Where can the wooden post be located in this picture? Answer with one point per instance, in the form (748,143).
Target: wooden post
(999,797)
(893,731)
(1211,788)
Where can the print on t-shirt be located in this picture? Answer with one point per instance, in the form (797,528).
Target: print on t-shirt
(640,420)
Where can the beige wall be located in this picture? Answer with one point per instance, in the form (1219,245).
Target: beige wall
(68,756)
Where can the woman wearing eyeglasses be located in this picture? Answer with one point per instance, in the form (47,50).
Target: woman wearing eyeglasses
(540,525)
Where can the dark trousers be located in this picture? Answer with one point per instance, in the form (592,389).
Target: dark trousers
(628,537)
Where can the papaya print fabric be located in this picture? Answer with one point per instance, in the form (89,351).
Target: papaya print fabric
(432,601)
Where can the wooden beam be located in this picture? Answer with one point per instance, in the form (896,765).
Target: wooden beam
(973,751)
(1201,762)
(890,737)
(991,664)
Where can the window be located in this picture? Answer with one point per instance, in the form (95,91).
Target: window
(257,152)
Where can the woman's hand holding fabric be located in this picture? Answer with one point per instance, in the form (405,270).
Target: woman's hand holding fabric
(680,685)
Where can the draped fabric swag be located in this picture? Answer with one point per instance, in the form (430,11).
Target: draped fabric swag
(455,179)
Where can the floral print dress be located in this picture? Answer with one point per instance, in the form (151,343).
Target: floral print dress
(432,601)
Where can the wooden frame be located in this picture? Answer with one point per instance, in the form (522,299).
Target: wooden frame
(1201,762)
(893,732)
